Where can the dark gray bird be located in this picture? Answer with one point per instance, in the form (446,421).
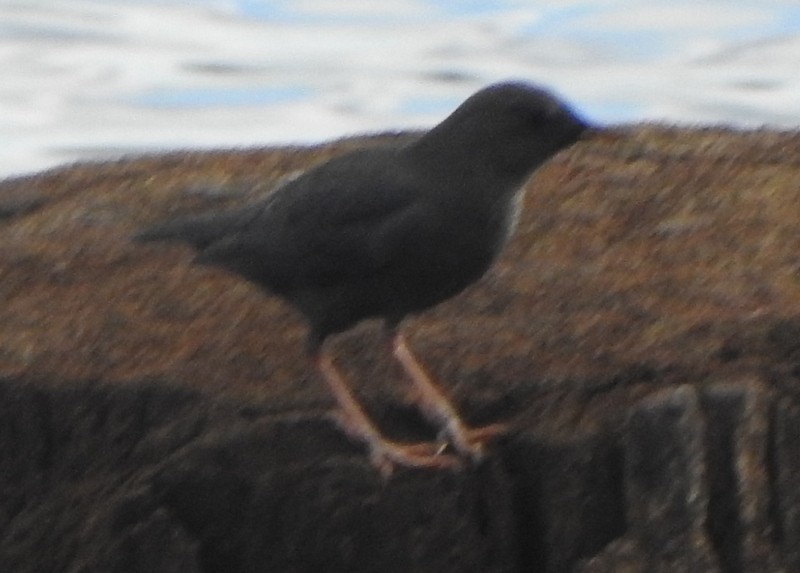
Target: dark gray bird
(390,232)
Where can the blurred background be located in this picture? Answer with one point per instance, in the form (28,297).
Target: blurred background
(96,79)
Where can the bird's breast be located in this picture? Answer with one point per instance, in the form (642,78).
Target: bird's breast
(511,218)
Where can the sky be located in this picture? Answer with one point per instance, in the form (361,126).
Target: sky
(95,79)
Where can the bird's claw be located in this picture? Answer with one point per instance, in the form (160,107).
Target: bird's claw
(385,455)
(469,442)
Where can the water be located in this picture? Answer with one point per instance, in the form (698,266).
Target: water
(93,79)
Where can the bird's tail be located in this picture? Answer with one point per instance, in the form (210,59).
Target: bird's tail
(198,231)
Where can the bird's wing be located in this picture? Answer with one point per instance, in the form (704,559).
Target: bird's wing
(324,228)
(362,241)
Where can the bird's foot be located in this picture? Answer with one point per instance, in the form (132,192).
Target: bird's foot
(470,442)
(437,408)
(386,454)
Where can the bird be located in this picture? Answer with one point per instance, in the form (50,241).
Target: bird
(386,233)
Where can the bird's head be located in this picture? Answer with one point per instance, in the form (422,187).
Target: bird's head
(510,128)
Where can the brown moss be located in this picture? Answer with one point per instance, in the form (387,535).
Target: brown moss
(643,257)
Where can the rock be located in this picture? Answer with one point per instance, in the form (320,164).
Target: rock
(567,497)
(786,464)
(147,478)
(665,482)
(639,337)
(737,440)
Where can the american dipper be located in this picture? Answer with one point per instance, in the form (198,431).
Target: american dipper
(389,232)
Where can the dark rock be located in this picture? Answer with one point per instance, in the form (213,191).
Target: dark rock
(567,498)
(149,478)
(784,337)
(156,543)
(335,516)
(665,490)
(665,474)
(736,453)
(621,556)
(786,464)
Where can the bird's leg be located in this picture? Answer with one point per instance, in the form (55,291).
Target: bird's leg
(384,453)
(437,408)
